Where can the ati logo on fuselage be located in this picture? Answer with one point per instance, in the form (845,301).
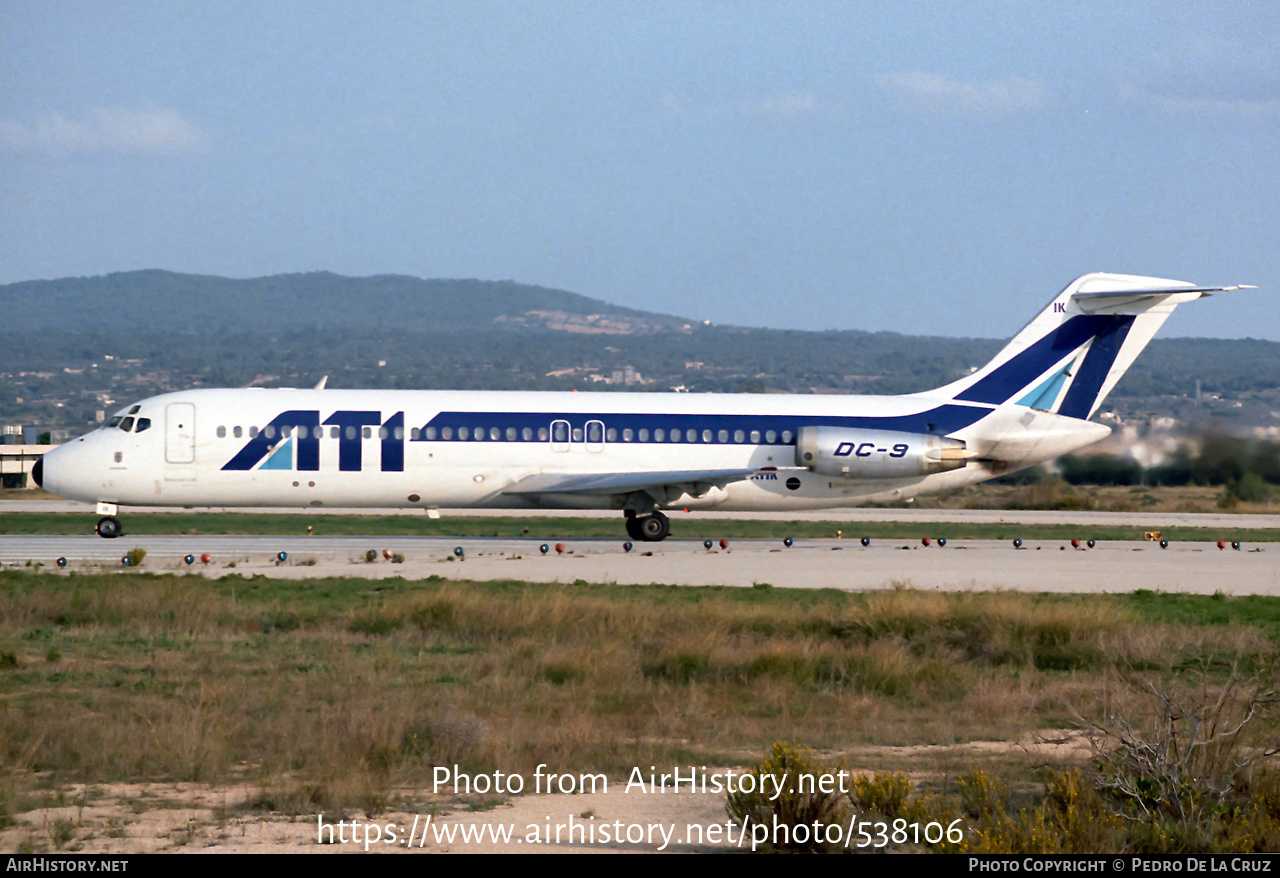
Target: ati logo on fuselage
(275,442)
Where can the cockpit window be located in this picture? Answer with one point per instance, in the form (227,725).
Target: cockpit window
(134,410)
(143,424)
(127,424)
(114,422)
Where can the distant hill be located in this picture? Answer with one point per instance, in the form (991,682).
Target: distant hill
(165,302)
(70,348)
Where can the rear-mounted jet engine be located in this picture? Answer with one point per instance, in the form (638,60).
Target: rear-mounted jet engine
(877,454)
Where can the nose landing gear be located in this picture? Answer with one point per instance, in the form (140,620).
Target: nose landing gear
(109,527)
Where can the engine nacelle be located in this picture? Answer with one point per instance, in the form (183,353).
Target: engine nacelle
(877,454)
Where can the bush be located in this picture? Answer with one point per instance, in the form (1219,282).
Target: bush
(1251,488)
(791,816)
(1187,756)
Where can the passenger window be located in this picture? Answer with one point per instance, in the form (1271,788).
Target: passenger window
(644,435)
(235,431)
(675,435)
(253,432)
(366,432)
(560,436)
(446,433)
(383,433)
(126,424)
(429,433)
(478,434)
(269,431)
(222,432)
(286,431)
(739,436)
(511,434)
(143,424)
(659,435)
(415,434)
(722,436)
(771,436)
(706,435)
(577,434)
(527,434)
(627,435)
(350,432)
(611,435)
(542,434)
(464,433)
(755,437)
(593,431)
(399,432)
(495,434)
(690,435)
(786,437)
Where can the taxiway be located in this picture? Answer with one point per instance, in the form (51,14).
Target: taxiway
(1048,566)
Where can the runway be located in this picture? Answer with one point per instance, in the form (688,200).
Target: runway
(962,565)
(1149,520)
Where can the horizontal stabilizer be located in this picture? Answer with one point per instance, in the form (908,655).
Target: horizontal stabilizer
(1138,301)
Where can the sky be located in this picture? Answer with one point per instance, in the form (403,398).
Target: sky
(926,168)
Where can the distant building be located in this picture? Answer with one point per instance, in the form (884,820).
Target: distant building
(626,375)
(16,434)
(19,451)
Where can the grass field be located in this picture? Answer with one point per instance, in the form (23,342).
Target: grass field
(337,694)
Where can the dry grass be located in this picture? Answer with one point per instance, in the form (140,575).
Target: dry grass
(331,694)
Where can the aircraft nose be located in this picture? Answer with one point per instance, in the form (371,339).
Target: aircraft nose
(71,471)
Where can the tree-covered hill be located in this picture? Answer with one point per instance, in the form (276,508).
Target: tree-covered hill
(162,301)
(71,348)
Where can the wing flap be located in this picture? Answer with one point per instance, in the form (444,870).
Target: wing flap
(623,483)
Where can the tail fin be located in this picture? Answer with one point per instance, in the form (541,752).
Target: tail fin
(1069,357)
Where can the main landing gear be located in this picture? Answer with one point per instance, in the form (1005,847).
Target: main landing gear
(651,528)
(109,527)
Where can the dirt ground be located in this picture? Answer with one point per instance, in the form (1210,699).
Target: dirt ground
(632,815)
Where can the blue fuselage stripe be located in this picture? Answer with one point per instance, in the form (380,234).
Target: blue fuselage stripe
(941,420)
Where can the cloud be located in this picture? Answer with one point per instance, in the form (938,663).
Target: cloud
(672,106)
(1207,78)
(788,106)
(150,131)
(1201,107)
(934,93)
(793,105)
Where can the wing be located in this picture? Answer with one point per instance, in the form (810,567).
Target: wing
(662,486)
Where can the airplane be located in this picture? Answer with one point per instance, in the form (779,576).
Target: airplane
(639,453)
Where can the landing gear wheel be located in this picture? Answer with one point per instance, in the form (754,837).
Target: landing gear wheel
(654,527)
(633,528)
(109,527)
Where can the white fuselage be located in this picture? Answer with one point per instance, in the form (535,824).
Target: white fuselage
(637,452)
(406,449)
